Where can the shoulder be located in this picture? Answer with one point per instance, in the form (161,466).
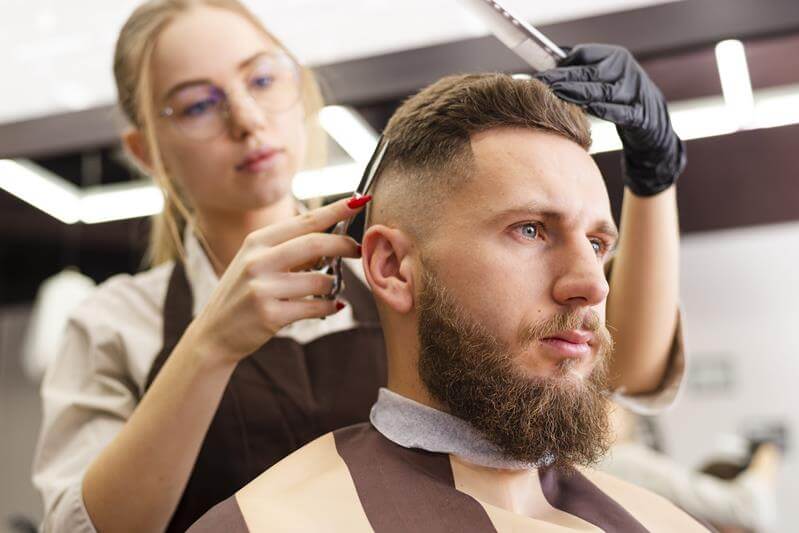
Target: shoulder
(309,490)
(650,509)
(300,470)
(126,297)
(117,330)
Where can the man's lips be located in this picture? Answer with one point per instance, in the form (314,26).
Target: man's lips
(257,159)
(574,343)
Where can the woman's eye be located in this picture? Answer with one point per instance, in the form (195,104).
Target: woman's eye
(263,82)
(200,108)
(529,230)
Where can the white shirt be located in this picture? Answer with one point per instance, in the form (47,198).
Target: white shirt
(109,346)
(745,501)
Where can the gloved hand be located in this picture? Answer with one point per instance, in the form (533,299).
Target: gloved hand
(608,82)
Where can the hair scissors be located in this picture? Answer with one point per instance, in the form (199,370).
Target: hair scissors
(372,168)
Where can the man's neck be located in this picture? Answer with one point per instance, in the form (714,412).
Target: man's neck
(403,367)
(224,231)
(416,391)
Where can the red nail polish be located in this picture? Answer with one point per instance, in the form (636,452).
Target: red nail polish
(358,201)
(340,306)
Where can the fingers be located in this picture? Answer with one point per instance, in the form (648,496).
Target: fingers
(587,54)
(583,73)
(292,311)
(308,249)
(316,220)
(583,93)
(590,63)
(292,286)
(620,114)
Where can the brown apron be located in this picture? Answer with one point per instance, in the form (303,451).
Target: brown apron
(279,398)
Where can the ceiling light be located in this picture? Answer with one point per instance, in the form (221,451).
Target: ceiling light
(41,189)
(348,128)
(119,202)
(735,83)
(329,181)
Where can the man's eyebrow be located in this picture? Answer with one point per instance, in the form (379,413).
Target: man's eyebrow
(608,229)
(537,210)
(204,81)
(531,208)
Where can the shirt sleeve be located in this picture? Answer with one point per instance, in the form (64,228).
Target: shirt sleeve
(87,396)
(745,501)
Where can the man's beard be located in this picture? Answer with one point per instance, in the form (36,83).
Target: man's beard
(560,420)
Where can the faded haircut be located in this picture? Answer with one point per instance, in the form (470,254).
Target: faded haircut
(429,152)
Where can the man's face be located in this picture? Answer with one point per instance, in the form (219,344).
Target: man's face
(512,300)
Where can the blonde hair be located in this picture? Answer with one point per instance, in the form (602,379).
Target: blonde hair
(132,71)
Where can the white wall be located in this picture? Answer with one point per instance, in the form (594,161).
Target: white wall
(740,292)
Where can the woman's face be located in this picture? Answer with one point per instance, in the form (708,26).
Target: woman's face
(211,55)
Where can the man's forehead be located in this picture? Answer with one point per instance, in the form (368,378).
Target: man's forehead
(534,171)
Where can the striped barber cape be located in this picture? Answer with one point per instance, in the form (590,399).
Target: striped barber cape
(366,478)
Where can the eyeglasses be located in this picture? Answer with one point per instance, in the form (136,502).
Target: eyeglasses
(369,176)
(201,111)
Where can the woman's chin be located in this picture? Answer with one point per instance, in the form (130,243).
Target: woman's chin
(266,192)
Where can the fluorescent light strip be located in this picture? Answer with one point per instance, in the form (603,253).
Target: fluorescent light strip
(328,181)
(735,83)
(41,189)
(776,107)
(348,128)
(119,202)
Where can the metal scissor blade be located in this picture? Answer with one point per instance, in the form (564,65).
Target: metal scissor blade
(372,167)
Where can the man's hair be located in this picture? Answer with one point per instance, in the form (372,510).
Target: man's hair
(429,151)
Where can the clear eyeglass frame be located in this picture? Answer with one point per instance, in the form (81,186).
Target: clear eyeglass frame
(221,123)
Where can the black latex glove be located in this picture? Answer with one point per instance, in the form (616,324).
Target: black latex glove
(608,82)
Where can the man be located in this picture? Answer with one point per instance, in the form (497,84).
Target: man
(485,250)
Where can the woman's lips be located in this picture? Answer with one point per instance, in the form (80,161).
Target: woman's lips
(259,161)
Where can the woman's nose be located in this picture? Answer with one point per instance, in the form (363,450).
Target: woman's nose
(245,116)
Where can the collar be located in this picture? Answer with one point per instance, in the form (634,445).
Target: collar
(411,424)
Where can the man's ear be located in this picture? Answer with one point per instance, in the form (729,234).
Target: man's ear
(389,267)
(136,145)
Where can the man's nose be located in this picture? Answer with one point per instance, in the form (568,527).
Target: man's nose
(581,282)
(245,116)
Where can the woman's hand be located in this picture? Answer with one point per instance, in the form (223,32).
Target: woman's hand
(611,85)
(265,287)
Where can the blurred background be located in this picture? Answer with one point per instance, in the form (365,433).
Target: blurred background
(73,212)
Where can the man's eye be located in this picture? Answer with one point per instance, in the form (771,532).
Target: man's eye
(600,247)
(529,230)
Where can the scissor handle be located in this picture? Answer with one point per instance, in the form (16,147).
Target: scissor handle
(332,265)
